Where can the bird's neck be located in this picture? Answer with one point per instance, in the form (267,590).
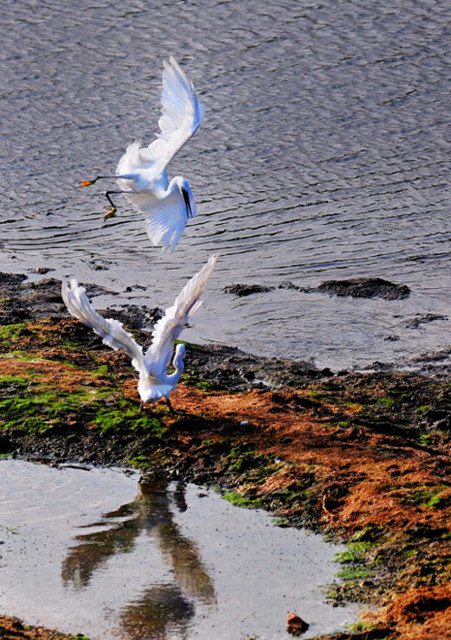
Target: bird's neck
(174,377)
(160,185)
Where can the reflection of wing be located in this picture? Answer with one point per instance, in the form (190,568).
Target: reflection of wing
(109,330)
(173,322)
(180,118)
(92,551)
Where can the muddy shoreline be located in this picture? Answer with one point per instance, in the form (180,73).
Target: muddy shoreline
(361,457)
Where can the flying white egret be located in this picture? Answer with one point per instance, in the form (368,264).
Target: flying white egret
(141,172)
(154,380)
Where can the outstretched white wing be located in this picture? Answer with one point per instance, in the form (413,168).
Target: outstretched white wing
(111,331)
(168,328)
(166,219)
(181,115)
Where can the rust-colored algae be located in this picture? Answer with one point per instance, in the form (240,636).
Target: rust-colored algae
(361,457)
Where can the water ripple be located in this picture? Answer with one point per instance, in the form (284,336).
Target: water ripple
(323,154)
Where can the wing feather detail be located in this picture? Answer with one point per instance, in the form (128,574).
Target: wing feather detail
(166,221)
(168,328)
(181,115)
(111,331)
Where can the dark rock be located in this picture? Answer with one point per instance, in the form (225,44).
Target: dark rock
(136,316)
(5,444)
(287,284)
(365,288)
(8,280)
(391,338)
(414,323)
(43,270)
(434,356)
(18,624)
(296,626)
(242,290)
(24,301)
(235,370)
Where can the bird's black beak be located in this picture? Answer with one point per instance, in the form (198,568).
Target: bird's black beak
(187,203)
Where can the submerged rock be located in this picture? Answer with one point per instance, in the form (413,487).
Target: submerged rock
(426,318)
(354,287)
(242,290)
(365,288)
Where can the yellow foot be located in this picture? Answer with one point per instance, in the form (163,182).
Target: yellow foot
(110,214)
(86,183)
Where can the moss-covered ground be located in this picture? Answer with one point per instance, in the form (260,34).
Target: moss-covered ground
(360,457)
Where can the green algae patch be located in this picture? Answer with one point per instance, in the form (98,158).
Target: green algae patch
(13,382)
(128,418)
(10,333)
(241,458)
(28,333)
(38,409)
(357,563)
(240,500)
(33,401)
(64,395)
(43,396)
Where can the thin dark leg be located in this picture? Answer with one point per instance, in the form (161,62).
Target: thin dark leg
(112,212)
(171,408)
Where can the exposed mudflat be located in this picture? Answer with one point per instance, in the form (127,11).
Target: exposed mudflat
(363,457)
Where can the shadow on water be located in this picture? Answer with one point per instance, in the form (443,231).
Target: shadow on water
(160,605)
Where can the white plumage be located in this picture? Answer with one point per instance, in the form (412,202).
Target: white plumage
(154,380)
(141,172)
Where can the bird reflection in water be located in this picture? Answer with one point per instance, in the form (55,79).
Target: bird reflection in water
(160,606)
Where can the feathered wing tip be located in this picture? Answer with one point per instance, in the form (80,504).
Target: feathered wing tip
(170,326)
(187,299)
(111,331)
(165,231)
(166,219)
(79,305)
(181,115)
(179,94)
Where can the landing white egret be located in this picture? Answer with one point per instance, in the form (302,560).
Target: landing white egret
(141,172)
(154,380)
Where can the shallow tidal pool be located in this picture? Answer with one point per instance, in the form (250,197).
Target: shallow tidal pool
(89,550)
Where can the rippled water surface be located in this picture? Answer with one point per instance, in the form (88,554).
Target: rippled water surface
(324,153)
(85,551)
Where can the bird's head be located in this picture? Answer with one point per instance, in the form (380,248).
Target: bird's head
(188,197)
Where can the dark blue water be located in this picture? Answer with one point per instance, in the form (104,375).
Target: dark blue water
(324,153)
